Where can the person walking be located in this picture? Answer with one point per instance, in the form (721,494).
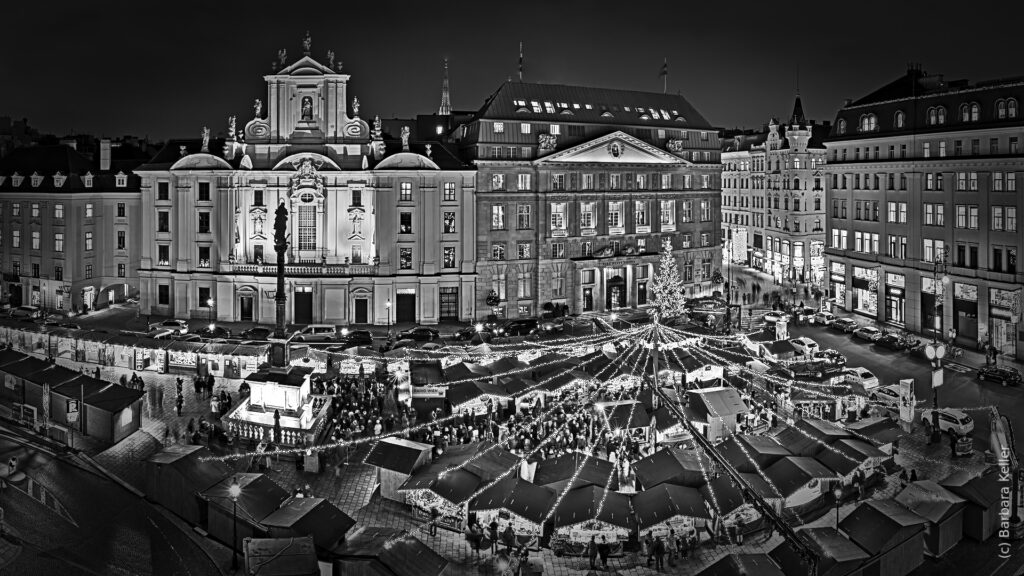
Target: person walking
(659,553)
(509,538)
(434,515)
(492,533)
(592,552)
(179,402)
(604,550)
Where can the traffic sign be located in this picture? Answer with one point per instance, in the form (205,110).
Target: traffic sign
(936,378)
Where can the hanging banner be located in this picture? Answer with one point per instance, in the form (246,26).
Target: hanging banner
(907,400)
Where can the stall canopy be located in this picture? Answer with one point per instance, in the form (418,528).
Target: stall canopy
(748,452)
(396,454)
(463,372)
(718,402)
(426,372)
(846,455)
(491,461)
(743,565)
(582,504)
(836,554)
(281,557)
(8,355)
(28,366)
(314,517)
(798,443)
(667,501)
(794,472)
(54,375)
(364,552)
(722,496)
(187,462)
(260,495)
(879,525)
(627,416)
(823,431)
(675,465)
(930,501)
(561,468)
(518,496)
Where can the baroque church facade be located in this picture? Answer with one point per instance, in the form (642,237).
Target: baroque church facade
(375,227)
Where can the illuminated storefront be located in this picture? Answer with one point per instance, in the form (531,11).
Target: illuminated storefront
(837,281)
(865,291)
(895,298)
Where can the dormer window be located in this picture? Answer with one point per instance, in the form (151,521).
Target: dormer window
(900,119)
(535,106)
(36,180)
(499,127)
(654,114)
(121,180)
(841,127)
(87,180)
(16,179)
(59,179)
(549,107)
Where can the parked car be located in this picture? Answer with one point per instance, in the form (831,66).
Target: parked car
(831,355)
(257,333)
(1001,374)
(869,333)
(29,312)
(467,332)
(403,343)
(844,325)
(861,376)
(823,318)
(804,314)
(771,317)
(431,346)
(804,345)
(517,327)
(317,333)
(187,338)
(892,342)
(951,420)
(552,325)
(888,395)
(163,334)
(217,332)
(352,338)
(419,334)
(178,326)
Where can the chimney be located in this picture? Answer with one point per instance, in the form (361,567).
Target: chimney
(104,154)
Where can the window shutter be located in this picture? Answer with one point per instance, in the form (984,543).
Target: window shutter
(574,181)
(630,180)
(602,181)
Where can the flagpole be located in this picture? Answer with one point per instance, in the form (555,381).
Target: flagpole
(520,61)
(664,87)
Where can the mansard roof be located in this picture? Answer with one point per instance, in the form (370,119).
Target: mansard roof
(54,163)
(590,105)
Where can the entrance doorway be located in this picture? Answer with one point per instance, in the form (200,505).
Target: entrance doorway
(405,308)
(615,291)
(245,308)
(303,305)
(361,311)
(449,303)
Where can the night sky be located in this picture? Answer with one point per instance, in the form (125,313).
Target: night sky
(112,68)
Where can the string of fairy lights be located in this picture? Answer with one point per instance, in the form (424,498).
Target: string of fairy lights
(592,445)
(401,432)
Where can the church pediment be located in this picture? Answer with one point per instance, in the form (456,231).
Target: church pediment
(306,66)
(618,148)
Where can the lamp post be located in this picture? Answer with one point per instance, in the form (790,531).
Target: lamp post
(939,290)
(209,305)
(388,306)
(235,490)
(935,352)
(839,500)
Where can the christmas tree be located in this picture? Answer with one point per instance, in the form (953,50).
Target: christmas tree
(667,286)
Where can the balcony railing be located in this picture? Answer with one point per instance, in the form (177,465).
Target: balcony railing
(308,269)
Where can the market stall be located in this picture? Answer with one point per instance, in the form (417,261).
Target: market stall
(216,356)
(517,502)
(151,354)
(577,519)
(177,474)
(668,507)
(183,357)
(121,351)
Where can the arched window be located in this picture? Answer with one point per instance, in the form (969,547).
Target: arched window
(817,222)
(900,119)
(817,204)
(933,116)
(1000,109)
(965,115)
(778,222)
(796,163)
(842,126)
(796,183)
(872,122)
(776,202)
(785,203)
(941,114)
(1011,108)
(975,112)
(796,204)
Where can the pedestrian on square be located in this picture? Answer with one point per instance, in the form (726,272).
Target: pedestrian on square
(434,515)
(492,533)
(592,552)
(179,402)
(659,553)
(604,550)
(509,538)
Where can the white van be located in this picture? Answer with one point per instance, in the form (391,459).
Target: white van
(318,333)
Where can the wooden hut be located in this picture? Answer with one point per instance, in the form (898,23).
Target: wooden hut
(120,351)
(176,476)
(364,553)
(555,473)
(943,510)
(280,556)
(837,555)
(576,518)
(314,517)
(151,354)
(744,565)
(883,432)
(13,390)
(749,453)
(727,505)
(19,374)
(891,534)
(259,497)
(982,493)
(628,418)
(673,465)
(214,357)
(183,357)
(517,502)
(111,413)
(801,481)
(850,457)
(668,507)
(715,412)
(823,431)
(396,459)
(448,493)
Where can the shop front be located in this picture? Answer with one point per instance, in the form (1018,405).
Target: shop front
(865,291)
(895,298)
(837,284)
(932,293)
(1003,319)
(965,313)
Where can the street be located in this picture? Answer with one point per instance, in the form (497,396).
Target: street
(82,523)
(961,388)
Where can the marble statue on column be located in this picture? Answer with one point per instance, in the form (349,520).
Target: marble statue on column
(355,107)
(307,43)
(257,108)
(282,55)
(405,138)
(231,127)
(330,59)
(206,140)
(307,108)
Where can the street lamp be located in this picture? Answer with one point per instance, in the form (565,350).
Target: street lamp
(388,306)
(839,500)
(935,352)
(235,490)
(479,327)
(209,304)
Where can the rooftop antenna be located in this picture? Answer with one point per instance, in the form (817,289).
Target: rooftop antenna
(664,77)
(520,60)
